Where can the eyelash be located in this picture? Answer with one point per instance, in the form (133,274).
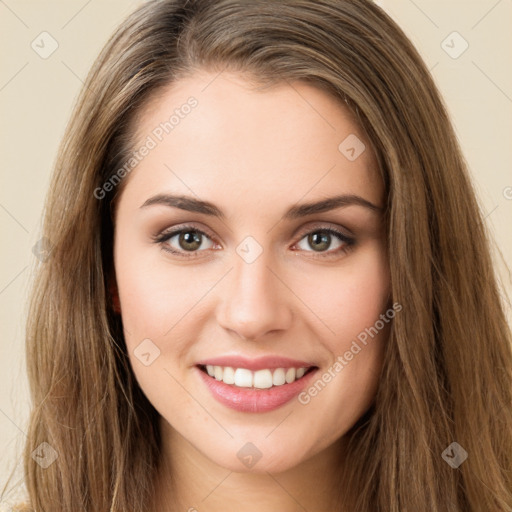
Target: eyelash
(163,237)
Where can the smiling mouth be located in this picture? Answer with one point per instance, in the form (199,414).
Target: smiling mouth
(259,379)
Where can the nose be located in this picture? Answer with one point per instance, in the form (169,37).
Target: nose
(255,302)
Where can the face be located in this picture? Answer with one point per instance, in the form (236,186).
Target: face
(230,259)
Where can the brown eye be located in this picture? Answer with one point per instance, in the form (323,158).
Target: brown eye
(319,241)
(190,240)
(325,240)
(185,240)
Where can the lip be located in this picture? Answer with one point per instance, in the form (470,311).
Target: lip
(257,363)
(251,399)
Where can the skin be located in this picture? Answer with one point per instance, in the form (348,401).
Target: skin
(254,154)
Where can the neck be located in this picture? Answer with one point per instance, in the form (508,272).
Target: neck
(189,481)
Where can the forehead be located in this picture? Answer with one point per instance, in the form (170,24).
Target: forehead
(215,133)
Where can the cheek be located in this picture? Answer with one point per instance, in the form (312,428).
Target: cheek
(351,304)
(154,305)
(350,298)
(153,294)
(140,297)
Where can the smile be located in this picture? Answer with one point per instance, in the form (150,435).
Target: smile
(255,385)
(260,379)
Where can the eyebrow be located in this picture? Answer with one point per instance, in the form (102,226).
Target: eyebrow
(191,204)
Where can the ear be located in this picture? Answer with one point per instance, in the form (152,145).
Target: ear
(114,295)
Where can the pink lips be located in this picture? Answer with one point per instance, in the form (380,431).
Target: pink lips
(251,399)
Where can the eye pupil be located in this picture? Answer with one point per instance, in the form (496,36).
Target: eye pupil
(319,241)
(190,240)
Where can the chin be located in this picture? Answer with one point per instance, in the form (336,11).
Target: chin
(256,457)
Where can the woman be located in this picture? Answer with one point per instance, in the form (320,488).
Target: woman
(269,284)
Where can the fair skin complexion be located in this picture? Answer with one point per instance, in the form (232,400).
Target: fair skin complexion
(254,154)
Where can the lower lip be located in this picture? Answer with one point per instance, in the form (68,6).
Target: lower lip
(251,399)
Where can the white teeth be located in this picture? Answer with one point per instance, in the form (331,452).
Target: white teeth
(229,375)
(261,379)
(290,375)
(243,378)
(218,372)
(278,379)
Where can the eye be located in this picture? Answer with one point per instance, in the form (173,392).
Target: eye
(185,240)
(326,240)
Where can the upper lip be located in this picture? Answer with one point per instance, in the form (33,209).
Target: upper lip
(257,363)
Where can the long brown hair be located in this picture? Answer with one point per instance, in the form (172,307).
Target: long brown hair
(447,373)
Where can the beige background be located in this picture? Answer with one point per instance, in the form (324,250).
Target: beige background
(36,96)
